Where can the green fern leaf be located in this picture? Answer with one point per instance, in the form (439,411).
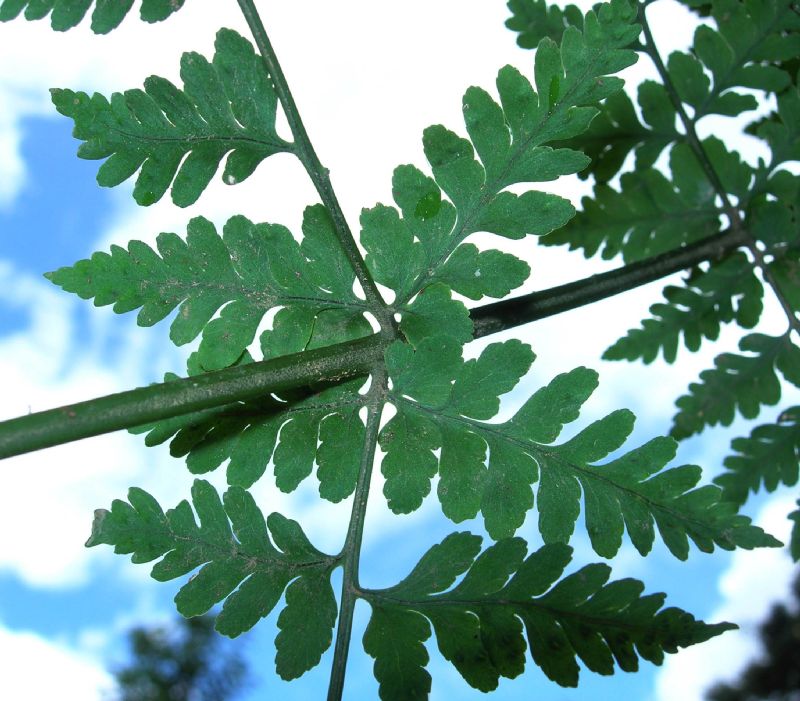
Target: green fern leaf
(617,129)
(226,107)
(773,218)
(107,14)
(510,139)
(657,109)
(776,225)
(785,270)
(648,215)
(735,175)
(768,457)
(749,48)
(738,382)
(613,134)
(243,560)
(687,75)
(724,292)
(533,20)
(221,289)
(249,270)
(479,623)
(434,311)
(782,133)
(442,406)
(742,52)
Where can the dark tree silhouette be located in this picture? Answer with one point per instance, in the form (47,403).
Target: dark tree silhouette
(186,661)
(775,677)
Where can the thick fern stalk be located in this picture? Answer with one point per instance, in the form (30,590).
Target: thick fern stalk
(180,396)
(508,313)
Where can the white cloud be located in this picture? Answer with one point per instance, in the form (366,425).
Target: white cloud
(12,167)
(35,668)
(753,582)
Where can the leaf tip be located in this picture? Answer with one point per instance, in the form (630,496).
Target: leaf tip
(96,538)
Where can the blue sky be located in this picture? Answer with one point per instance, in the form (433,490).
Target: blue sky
(66,608)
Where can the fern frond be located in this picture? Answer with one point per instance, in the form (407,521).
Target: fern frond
(725,292)
(738,382)
(649,214)
(479,623)
(314,286)
(221,287)
(247,271)
(245,561)
(510,139)
(768,457)
(782,132)
(615,132)
(107,14)
(742,52)
(440,426)
(179,137)
(533,20)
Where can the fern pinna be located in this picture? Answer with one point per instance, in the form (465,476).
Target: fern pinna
(752,45)
(309,395)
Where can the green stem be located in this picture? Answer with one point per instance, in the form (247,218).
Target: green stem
(731,211)
(758,256)
(691,134)
(508,313)
(319,175)
(351,552)
(161,401)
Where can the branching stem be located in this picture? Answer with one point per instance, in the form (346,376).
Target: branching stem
(319,175)
(351,551)
(731,211)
